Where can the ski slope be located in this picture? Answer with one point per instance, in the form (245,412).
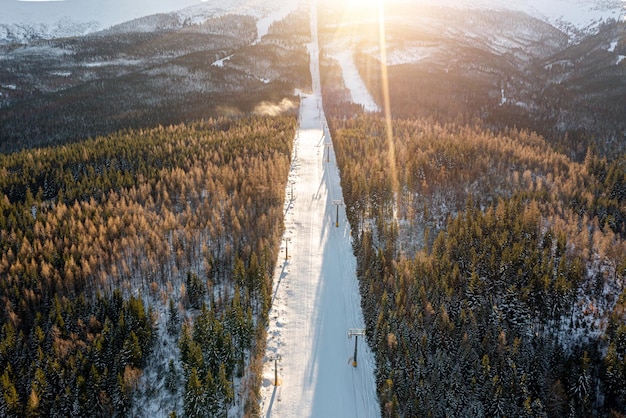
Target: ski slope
(316,297)
(354,83)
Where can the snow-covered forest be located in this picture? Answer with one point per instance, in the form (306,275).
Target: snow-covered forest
(512,301)
(200,210)
(144,250)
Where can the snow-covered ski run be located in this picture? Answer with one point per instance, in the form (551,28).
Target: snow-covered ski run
(316,298)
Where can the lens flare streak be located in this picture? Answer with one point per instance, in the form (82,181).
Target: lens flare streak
(391,154)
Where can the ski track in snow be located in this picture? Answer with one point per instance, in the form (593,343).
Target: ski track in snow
(316,296)
(353,81)
(263,27)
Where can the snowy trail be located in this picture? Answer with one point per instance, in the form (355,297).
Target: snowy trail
(354,83)
(263,26)
(316,297)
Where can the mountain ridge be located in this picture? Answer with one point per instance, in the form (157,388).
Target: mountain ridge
(26,21)
(23,23)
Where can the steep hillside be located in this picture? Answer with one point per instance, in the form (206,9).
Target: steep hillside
(70,89)
(501,69)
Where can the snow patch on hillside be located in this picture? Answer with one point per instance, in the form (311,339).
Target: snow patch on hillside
(263,26)
(199,13)
(409,54)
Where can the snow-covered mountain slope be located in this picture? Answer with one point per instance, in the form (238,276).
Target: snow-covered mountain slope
(574,17)
(574,14)
(27,20)
(24,20)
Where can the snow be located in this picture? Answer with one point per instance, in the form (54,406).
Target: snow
(120,62)
(61,73)
(106,13)
(220,62)
(316,297)
(263,25)
(581,14)
(612,47)
(353,81)
(409,54)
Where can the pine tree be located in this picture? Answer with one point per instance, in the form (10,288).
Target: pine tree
(131,351)
(10,399)
(224,386)
(194,398)
(172,379)
(173,319)
(196,290)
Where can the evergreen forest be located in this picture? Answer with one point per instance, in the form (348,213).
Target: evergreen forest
(491,269)
(97,235)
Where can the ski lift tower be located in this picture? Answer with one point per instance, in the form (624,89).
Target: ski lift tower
(287,240)
(276,358)
(337,203)
(356,332)
(327,146)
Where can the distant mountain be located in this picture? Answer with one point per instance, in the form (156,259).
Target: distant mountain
(27,20)
(575,17)
(23,21)
(64,27)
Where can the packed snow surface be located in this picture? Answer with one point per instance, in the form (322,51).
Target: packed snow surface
(354,83)
(316,297)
